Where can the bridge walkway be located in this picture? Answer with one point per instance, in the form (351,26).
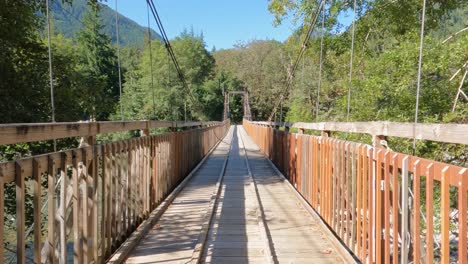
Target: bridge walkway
(237,209)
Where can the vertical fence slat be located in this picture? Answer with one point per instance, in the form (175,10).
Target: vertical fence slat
(20,215)
(2,215)
(429,214)
(51,210)
(85,209)
(63,208)
(378,206)
(462,216)
(445,215)
(416,213)
(104,216)
(404,208)
(37,172)
(359,203)
(395,211)
(387,208)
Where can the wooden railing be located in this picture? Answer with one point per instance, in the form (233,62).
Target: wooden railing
(386,207)
(95,195)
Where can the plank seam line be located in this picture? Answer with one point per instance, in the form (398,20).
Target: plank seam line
(262,221)
(343,249)
(122,253)
(201,241)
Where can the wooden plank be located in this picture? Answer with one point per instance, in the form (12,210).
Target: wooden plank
(448,133)
(108,194)
(416,213)
(37,173)
(343,182)
(104,216)
(2,215)
(462,216)
(445,216)
(395,211)
(30,132)
(20,216)
(365,201)
(359,237)
(378,206)
(51,210)
(77,231)
(94,199)
(354,189)
(429,214)
(387,207)
(371,203)
(63,210)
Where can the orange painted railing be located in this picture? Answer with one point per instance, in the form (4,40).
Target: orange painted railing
(386,207)
(94,196)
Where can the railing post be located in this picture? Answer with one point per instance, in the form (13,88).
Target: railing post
(379,142)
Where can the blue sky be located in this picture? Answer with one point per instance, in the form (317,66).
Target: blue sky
(223,22)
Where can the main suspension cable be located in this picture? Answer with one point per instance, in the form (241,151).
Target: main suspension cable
(418,87)
(118,60)
(351,63)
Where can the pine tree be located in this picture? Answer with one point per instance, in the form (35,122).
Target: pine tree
(98,66)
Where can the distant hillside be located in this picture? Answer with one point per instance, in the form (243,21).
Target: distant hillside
(67,19)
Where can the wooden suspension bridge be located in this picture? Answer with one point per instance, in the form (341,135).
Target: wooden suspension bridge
(212,192)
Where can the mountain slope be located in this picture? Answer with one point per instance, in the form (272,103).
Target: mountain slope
(67,19)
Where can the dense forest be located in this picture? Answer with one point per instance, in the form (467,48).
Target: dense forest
(386,50)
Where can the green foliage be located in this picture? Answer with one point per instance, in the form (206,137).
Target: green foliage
(98,68)
(261,66)
(158,77)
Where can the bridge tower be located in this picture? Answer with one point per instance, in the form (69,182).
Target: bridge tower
(246,104)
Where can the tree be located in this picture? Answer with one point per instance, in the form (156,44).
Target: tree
(23,64)
(98,68)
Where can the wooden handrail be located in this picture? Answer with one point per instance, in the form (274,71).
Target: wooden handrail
(30,132)
(121,182)
(372,197)
(447,133)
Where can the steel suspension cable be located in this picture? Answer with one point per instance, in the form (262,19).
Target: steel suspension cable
(418,87)
(51,74)
(118,59)
(151,59)
(320,66)
(351,62)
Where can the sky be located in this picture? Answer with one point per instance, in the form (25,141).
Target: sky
(223,22)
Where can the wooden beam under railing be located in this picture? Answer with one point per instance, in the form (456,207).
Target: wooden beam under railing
(447,133)
(30,132)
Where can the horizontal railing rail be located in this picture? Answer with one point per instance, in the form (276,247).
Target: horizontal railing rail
(387,207)
(448,133)
(30,132)
(95,195)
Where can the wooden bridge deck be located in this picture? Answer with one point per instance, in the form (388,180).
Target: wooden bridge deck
(237,209)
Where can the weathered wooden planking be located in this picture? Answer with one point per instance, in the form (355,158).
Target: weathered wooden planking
(176,231)
(295,235)
(238,209)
